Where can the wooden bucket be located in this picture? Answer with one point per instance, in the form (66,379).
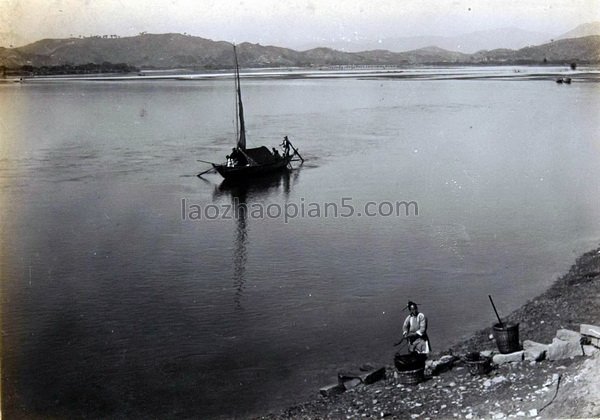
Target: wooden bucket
(411,377)
(507,337)
(477,364)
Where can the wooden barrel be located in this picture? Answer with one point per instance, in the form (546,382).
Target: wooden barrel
(411,377)
(507,337)
(477,364)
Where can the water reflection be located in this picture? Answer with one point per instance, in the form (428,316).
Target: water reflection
(265,186)
(242,196)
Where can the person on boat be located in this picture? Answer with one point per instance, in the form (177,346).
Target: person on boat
(276,153)
(415,330)
(286,146)
(237,157)
(233,157)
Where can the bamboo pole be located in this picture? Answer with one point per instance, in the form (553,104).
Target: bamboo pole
(497,316)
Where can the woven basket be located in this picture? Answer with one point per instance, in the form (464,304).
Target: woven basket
(411,377)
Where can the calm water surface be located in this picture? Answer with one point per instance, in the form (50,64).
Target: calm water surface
(114,305)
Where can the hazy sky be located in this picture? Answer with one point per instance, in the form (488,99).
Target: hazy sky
(285,22)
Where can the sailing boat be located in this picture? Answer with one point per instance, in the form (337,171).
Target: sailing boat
(245,163)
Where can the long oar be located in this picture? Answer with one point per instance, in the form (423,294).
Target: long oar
(497,316)
(205,172)
(296,152)
(206,161)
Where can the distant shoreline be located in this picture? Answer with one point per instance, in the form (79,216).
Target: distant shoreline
(429,72)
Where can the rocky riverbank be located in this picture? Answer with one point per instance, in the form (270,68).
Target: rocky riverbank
(563,388)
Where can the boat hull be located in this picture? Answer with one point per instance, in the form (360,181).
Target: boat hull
(241,173)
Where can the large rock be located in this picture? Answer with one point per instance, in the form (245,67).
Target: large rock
(587,329)
(592,333)
(590,350)
(534,351)
(373,376)
(560,349)
(568,335)
(528,344)
(501,359)
(441,365)
(352,383)
(535,354)
(330,390)
(368,377)
(347,376)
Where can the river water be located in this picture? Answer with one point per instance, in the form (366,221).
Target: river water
(129,290)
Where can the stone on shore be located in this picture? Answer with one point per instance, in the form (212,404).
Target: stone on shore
(528,344)
(592,333)
(590,350)
(373,376)
(560,349)
(330,390)
(568,335)
(535,355)
(441,365)
(501,359)
(349,380)
(352,383)
(587,329)
(534,352)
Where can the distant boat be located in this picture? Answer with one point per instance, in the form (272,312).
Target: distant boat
(566,80)
(246,163)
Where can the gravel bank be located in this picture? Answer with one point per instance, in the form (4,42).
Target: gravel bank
(568,388)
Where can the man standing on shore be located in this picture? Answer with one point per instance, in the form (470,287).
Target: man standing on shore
(415,330)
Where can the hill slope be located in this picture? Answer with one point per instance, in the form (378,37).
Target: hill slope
(579,50)
(177,51)
(587,29)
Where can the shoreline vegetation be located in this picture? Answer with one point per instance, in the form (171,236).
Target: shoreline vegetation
(71,70)
(564,388)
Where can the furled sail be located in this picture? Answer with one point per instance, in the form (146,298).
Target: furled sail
(241,143)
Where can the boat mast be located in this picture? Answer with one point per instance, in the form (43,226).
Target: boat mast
(241,143)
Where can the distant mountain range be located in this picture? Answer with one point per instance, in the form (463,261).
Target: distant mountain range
(468,43)
(587,29)
(168,51)
(511,38)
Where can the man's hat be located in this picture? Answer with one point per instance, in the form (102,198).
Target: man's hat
(409,304)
